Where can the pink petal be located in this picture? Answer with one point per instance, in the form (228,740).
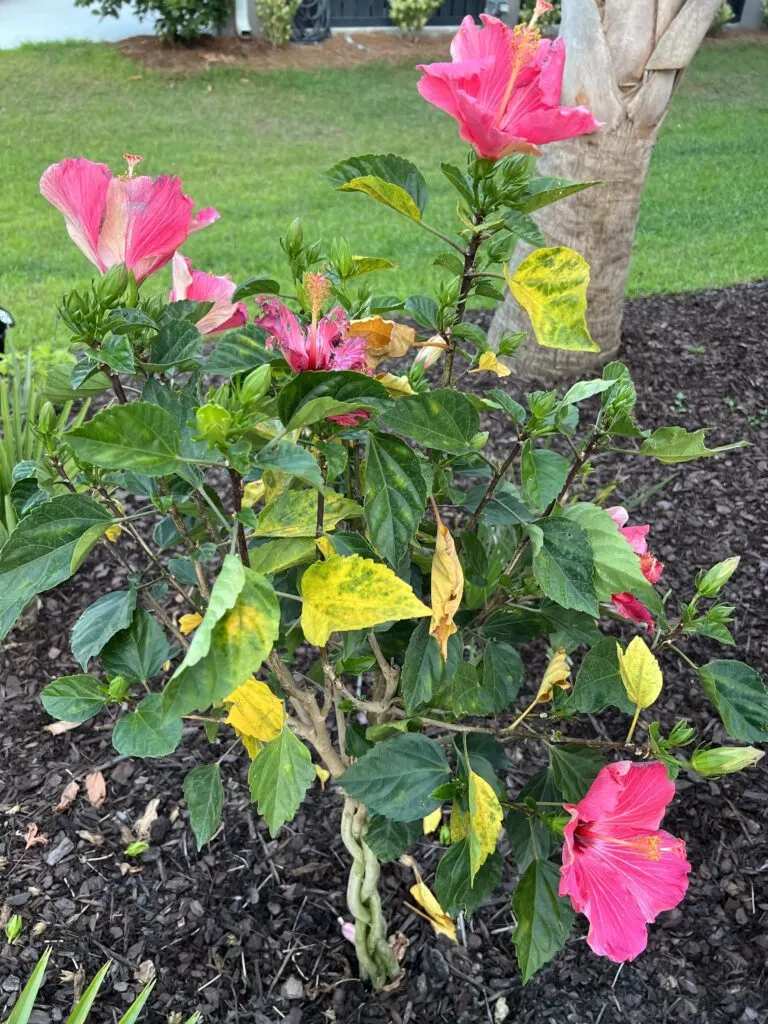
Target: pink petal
(651,568)
(543,126)
(636,538)
(628,606)
(158,221)
(78,189)
(618,514)
(181,269)
(629,794)
(201,287)
(204,218)
(350,355)
(284,330)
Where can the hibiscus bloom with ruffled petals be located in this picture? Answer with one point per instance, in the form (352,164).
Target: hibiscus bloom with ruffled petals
(626,605)
(198,286)
(138,221)
(619,868)
(503,87)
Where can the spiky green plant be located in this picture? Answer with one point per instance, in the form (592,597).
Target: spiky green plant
(25,1004)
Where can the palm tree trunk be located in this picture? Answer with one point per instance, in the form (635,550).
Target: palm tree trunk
(625,59)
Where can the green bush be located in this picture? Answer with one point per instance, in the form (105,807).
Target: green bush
(177,20)
(411,16)
(276,18)
(721,19)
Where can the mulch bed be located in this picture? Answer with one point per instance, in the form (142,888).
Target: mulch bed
(247,929)
(339,51)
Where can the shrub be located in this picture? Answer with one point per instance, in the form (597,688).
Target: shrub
(722,17)
(176,20)
(276,18)
(362,579)
(411,16)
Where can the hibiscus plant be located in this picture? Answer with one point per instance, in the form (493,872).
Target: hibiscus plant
(327,563)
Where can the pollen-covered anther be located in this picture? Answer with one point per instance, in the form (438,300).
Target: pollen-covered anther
(318,288)
(132,160)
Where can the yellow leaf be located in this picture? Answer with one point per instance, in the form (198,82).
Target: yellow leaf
(325,547)
(322,774)
(447,586)
(353,593)
(189,623)
(396,386)
(557,674)
(255,712)
(640,673)
(432,821)
(488,362)
(551,286)
(384,339)
(433,912)
(384,192)
(112,533)
(294,514)
(459,824)
(485,820)
(252,492)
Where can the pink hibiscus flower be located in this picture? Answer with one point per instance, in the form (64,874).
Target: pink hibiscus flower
(503,87)
(140,222)
(201,287)
(619,868)
(323,345)
(627,605)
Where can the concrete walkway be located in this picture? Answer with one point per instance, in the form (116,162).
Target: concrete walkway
(42,21)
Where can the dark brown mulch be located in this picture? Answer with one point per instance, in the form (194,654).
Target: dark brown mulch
(340,51)
(247,930)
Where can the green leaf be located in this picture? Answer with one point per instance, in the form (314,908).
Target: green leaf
(567,628)
(528,834)
(204,794)
(387,167)
(454,888)
(390,839)
(395,495)
(551,286)
(73,698)
(544,919)
(82,1008)
(542,474)
(98,623)
(543,191)
(25,1004)
(444,420)
(238,351)
(504,509)
(563,564)
(396,778)
(176,342)
(317,394)
(513,409)
(294,514)
(138,652)
(584,389)
(368,265)
(224,594)
(424,672)
(525,228)
(117,353)
(423,309)
(290,458)
(147,731)
(598,682)
(617,567)
(234,644)
(574,768)
(133,1012)
(463,694)
(383,192)
(38,554)
(671,445)
(279,777)
(502,674)
(256,286)
(139,436)
(741,699)
(277,555)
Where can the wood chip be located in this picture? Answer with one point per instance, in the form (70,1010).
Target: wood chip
(68,796)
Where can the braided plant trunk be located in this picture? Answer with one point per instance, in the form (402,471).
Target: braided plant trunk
(376,959)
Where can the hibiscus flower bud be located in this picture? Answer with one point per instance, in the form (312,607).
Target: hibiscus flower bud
(256,384)
(213,422)
(710,583)
(724,760)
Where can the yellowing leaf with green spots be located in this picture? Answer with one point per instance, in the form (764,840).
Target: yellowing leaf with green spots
(255,713)
(551,286)
(294,514)
(447,587)
(485,820)
(384,192)
(353,593)
(458,823)
(490,363)
(640,672)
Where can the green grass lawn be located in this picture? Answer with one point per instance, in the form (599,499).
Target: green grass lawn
(255,145)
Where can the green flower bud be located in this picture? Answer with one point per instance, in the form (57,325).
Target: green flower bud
(479,440)
(47,418)
(681,734)
(213,422)
(556,824)
(256,384)
(118,688)
(294,237)
(445,835)
(724,760)
(710,583)
(113,284)
(341,254)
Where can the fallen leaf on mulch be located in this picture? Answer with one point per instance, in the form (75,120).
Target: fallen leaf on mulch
(145,972)
(68,796)
(91,837)
(144,823)
(57,728)
(96,788)
(33,837)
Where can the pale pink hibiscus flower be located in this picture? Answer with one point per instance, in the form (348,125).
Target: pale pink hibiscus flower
(503,87)
(619,868)
(627,605)
(198,286)
(138,221)
(323,345)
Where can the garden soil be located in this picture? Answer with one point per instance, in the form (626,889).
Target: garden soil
(247,929)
